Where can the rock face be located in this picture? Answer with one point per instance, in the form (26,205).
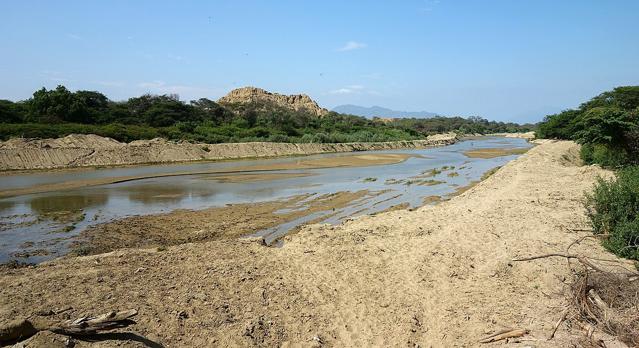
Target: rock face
(296,102)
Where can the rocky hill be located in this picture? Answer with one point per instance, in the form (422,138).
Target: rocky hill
(296,102)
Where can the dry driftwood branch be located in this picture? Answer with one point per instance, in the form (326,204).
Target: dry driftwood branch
(561,320)
(91,325)
(504,334)
(582,259)
(25,328)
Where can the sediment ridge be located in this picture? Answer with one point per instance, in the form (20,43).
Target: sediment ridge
(91,150)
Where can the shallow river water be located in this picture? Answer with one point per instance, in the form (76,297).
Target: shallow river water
(29,223)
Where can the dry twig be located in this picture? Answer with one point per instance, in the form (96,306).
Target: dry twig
(504,334)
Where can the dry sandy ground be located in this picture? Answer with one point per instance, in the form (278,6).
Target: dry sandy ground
(437,276)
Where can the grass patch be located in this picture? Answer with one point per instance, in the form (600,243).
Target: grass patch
(489,173)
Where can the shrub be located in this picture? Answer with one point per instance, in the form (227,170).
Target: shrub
(604,155)
(613,208)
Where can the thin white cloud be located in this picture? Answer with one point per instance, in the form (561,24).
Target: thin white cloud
(341,91)
(352,45)
(372,76)
(175,57)
(109,83)
(74,36)
(184,91)
(352,89)
(55,76)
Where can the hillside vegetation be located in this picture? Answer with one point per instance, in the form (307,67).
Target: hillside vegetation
(607,126)
(59,112)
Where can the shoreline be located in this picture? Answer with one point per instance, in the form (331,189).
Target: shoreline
(80,151)
(439,275)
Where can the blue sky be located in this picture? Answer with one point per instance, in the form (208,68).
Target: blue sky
(505,60)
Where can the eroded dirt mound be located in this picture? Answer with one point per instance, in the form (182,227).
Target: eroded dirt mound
(92,150)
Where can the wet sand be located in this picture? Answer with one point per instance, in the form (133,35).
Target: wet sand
(238,178)
(190,226)
(363,160)
(440,275)
(492,153)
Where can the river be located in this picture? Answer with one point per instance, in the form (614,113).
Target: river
(37,227)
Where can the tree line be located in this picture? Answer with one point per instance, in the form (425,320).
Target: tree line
(607,127)
(59,112)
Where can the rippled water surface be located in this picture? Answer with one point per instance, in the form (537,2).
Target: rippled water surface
(48,221)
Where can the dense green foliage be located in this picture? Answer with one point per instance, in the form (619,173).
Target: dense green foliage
(613,208)
(607,126)
(59,112)
(471,125)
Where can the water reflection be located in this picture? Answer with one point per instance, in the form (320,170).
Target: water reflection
(37,218)
(52,203)
(6,205)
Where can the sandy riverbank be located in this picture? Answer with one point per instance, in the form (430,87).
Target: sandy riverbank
(437,276)
(91,150)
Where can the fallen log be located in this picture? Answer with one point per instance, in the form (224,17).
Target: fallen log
(25,328)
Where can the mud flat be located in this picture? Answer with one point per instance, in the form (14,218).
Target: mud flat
(492,153)
(437,276)
(190,226)
(91,150)
(341,161)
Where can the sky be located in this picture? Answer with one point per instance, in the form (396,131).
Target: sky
(510,60)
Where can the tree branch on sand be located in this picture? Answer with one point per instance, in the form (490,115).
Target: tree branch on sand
(24,328)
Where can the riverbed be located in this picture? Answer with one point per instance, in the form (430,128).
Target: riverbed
(37,227)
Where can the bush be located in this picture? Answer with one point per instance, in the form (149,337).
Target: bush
(604,155)
(613,208)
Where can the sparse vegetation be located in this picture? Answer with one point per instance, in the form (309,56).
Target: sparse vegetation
(369,180)
(613,208)
(489,173)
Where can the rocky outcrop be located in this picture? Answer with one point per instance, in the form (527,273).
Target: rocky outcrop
(92,150)
(296,102)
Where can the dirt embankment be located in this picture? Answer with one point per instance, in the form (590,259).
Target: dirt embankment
(92,150)
(437,276)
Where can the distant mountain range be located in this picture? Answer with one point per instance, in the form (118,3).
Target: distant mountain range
(380,112)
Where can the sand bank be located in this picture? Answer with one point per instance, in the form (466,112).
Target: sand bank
(92,150)
(438,276)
